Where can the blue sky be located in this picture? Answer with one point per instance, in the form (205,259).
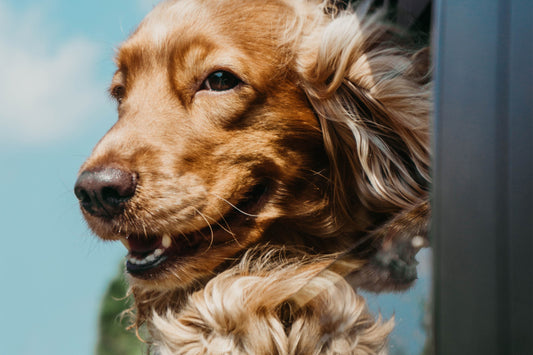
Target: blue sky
(55,65)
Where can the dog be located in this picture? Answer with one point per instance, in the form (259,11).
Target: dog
(295,125)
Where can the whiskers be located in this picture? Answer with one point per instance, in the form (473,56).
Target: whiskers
(221,224)
(202,224)
(233,206)
(209,225)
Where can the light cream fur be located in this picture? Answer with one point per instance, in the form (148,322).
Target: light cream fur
(271,305)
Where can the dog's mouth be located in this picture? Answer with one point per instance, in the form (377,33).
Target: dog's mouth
(146,253)
(150,254)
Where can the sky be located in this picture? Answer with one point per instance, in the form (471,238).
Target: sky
(55,67)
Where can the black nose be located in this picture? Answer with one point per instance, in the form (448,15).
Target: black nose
(104,192)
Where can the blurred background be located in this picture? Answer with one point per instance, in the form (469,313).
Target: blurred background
(55,66)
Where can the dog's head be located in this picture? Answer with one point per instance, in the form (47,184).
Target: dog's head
(239,122)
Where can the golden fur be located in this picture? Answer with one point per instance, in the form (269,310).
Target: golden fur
(323,146)
(238,312)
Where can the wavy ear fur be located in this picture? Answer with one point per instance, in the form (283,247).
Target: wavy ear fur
(373,100)
(373,103)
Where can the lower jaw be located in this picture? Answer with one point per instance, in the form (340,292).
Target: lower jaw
(140,269)
(174,263)
(183,255)
(181,272)
(157,269)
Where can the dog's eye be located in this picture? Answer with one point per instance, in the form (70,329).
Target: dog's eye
(220,81)
(118,92)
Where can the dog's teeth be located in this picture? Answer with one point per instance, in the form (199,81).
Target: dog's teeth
(166,241)
(155,255)
(147,259)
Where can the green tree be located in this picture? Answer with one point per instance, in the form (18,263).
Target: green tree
(113,337)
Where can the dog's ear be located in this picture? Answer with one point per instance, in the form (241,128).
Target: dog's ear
(373,102)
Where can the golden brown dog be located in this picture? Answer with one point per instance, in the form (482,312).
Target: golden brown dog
(264,122)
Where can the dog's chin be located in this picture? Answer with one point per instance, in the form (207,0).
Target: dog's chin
(185,258)
(154,263)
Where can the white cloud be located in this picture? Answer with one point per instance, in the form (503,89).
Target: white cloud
(46,88)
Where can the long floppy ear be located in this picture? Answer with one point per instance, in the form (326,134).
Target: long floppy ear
(373,101)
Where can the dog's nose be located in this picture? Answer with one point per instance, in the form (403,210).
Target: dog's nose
(104,192)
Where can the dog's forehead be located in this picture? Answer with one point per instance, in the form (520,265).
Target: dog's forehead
(169,17)
(251,23)
(223,33)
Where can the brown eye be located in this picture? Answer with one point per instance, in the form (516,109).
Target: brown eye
(220,81)
(118,92)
